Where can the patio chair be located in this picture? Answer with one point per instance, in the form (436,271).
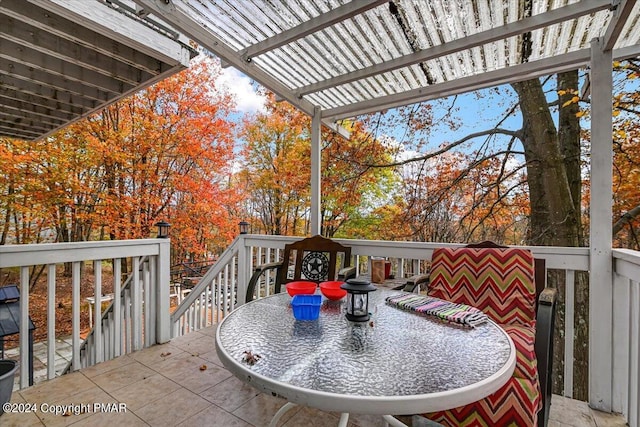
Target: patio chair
(316,259)
(508,284)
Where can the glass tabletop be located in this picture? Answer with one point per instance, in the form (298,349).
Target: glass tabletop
(397,356)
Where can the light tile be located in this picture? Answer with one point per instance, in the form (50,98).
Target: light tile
(212,356)
(154,356)
(367,420)
(603,419)
(198,344)
(230,394)
(107,366)
(19,419)
(143,392)
(194,373)
(211,330)
(69,410)
(174,409)
(310,417)
(260,410)
(187,338)
(104,419)
(214,416)
(123,376)
(61,387)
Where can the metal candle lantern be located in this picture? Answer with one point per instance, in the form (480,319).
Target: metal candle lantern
(358,299)
(163,229)
(244,227)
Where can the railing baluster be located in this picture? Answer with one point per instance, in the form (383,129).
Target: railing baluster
(146,300)
(219,298)
(269,279)
(75,314)
(97,272)
(25,361)
(91,354)
(109,340)
(225,292)
(634,366)
(621,343)
(208,307)
(128,340)
(569,332)
(136,300)
(152,308)
(117,307)
(51,321)
(234,283)
(198,324)
(192,320)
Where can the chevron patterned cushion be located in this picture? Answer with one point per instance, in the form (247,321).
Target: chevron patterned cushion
(524,339)
(500,282)
(516,404)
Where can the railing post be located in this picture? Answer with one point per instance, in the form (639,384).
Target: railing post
(601,257)
(163,278)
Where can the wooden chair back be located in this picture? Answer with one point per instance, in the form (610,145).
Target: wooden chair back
(316,259)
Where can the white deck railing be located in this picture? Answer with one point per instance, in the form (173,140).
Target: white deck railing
(626,335)
(410,258)
(134,322)
(224,286)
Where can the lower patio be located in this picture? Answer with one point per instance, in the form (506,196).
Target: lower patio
(183,383)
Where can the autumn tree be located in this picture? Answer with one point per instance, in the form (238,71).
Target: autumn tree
(163,153)
(452,200)
(278,169)
(23,216)
(351,189)
(626,148)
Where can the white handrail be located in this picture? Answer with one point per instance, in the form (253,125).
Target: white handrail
(224,285)
(51,254)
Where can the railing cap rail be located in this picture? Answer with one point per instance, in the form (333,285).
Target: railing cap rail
(55,253)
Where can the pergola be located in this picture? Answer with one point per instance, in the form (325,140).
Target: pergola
(336,59)
(63,60)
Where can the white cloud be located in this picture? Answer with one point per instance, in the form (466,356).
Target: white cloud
(242,89)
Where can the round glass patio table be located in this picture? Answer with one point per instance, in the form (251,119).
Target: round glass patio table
(398,363)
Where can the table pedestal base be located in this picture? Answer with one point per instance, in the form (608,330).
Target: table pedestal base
(344,417)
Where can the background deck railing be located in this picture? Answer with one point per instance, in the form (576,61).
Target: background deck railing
(563,265)
(144,297)
(137,322)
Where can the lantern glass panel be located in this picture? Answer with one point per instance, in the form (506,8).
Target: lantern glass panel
(360,304)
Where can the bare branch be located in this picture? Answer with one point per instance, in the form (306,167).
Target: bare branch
(448,147)
(626,219)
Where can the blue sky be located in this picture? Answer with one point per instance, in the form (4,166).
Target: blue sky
(475,111)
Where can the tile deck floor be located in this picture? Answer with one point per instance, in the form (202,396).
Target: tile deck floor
(62,358)
(166,385)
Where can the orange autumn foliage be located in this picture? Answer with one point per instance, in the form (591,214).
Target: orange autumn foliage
(162,154)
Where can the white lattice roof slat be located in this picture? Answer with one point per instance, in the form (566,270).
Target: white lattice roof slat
(346,57)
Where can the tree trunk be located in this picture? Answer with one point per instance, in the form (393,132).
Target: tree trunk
(553,168)
(554,221)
